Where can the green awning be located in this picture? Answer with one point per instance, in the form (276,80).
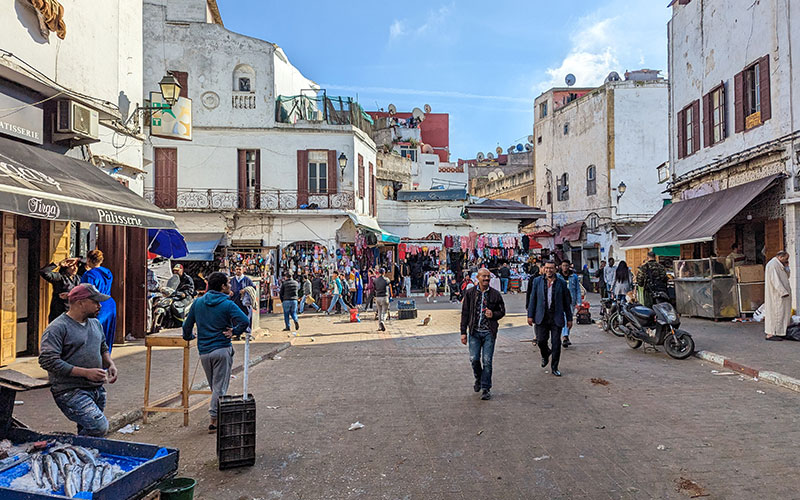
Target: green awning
(668,251)
(389,237)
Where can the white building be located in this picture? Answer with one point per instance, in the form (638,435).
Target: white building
(262,169)
(733,124)
(587,144)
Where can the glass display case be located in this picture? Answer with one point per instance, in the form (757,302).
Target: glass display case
(705,289)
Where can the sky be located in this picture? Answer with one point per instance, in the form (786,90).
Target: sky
(482,62)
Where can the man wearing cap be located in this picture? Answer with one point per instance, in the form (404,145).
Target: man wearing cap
(76,357)
(187,283)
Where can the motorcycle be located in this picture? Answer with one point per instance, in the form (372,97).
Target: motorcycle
(609,316)
(171,308)
(658,325)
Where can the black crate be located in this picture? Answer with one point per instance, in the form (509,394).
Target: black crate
(406,304)
(236,431)
(406,314)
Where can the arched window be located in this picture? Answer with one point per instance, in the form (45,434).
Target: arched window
(244,78)
(593,222)
(591,180)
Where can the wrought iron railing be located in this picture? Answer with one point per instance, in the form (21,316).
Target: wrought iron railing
(213,199)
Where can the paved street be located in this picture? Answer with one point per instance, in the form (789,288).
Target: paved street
(660,428)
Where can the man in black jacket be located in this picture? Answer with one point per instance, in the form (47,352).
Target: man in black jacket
(550,308)
(63,280)
(533,270)
(481,309)
(289,295)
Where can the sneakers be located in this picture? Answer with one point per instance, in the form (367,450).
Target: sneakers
(566,342)
(296,325)
(486,395)
(556,373)
(477,386)
(287,329)
(381,326)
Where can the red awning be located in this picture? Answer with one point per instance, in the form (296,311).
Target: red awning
(541,234)
(570,232)
(535,245)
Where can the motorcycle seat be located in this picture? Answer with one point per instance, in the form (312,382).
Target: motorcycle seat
(644,313)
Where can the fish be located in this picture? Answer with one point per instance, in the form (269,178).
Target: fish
(61,461)
(69,482)
(85,455)
(97,482)
(108,475)
(72,456)
(36,471)
(50,471)
(87,476)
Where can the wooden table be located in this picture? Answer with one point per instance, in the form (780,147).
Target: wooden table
(160,405)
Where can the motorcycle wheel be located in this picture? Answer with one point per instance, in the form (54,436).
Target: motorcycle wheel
(680,345)
(633,342)
(614,325)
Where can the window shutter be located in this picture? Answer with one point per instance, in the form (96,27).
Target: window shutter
(773,237)
(708,123)
(333,165)
(724,104)
(696,126)
(763,76)
(361,177)
(302,177)
(183,79)
(257,200)
(373,195)
(166,177)
(682,133)
(242,178)
(683,2)
(738,102)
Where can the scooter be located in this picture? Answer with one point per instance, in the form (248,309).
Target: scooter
(658,325)
(609,316)
(171,309)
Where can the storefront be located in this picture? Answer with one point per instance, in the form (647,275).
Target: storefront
(52,207)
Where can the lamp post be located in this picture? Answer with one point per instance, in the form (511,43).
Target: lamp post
(170,90)
(342,163)
(621,190)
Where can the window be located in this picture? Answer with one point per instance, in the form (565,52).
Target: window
(566,128)
(549,197)
(539,140)
(752,91)
(689,129)
(244,84)
(562,187)
(317,172)
(714,118)
(593,221)
(409,152)
(543,109)
(524,200)
(751,96)
(591,181)
(249,178)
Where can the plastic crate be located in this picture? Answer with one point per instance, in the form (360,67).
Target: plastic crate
(406,314)
(236,431)
(406,304)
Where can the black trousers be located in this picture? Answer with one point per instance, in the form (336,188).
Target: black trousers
(549,331)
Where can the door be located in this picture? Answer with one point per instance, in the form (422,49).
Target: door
(166,177)
(249,175)
(8,289)
(23,252)
(136,282)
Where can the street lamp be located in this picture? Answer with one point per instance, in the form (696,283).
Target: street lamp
(621,190)
(342,162)
(170,89)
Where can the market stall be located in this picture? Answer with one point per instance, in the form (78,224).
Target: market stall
(704,288)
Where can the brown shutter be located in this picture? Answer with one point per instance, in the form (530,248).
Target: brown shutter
(242,178)
(302,177)
(773,237)
(361,177)
(135,278)
(724,239)
(183,79)
(166,177)
(724,104)
(682,133)
(257,201)
(696,126)
(738,102)
(708,123)
(332,167)
(683,2)
(766,100)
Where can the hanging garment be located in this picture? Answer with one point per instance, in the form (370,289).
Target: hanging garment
(401,251)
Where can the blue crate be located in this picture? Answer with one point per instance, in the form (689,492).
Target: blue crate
(406,305)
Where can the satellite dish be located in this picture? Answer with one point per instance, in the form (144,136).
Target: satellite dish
(490,156)
(387,193)
(519,147)
(427,149)
(613,77)
(418,114)
(511,150)
(427,108)
(500,174)
(479,157)
(528,147)
(530,139)
(392,109)
(498,150)
(569,80)
(492,176)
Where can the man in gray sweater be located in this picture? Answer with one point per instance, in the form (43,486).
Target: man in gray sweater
(75,355)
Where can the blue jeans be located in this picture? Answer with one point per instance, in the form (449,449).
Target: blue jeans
(481,349)
(303,305)
(504,285)
(337,298)
(85,408)
(565,330)
(289,311)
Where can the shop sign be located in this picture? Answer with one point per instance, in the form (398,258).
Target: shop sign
(26,176)
(171,123)
(21,120)
(46,209)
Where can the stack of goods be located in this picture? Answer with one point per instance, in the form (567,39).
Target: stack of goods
(406,309)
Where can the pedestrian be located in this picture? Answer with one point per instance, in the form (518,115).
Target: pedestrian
(382,293)
(78,361)
(359,299)
(550,309)
(734,259)
(481,309)
(217,319)
(102,279)
(200,284)
(777,297)
(64,277)
(586,278)
(623,281)
(609,273)
(651,278)
(307,298)
(336,290)
(574,288)
(289,296)
(455,289)
(238,283)
(153,291)
(317,287)
(601,280)
(370,289)
(533,270)
(250,303)
(505,277)
(186,285)
(433,287)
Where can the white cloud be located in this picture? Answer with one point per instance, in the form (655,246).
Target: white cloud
(437,24)
(398,28)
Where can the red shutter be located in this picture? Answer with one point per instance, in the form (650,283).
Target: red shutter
(257,201)
(242,178)
(166,177)
(682,133)
(183,79)
(763,76)
(332,167)
(302,177)
(361,177)
(738,102)
(696,126)
(373,197)
(708,123)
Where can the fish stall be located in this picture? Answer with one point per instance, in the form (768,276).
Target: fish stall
(36,466)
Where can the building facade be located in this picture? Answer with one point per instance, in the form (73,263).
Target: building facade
(595,158)
(510,176)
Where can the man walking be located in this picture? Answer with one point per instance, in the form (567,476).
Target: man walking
(533,270)
(217,319)
(76,357)
(481,309)
(573,282)
(307,298)
(609,273)
(652,278)
(778,297)
(382,293)
(601,280)
(550,310)
(505,277)
(289,296)
(336,290)
(317,286)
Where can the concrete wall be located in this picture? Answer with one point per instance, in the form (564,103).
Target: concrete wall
(419,219)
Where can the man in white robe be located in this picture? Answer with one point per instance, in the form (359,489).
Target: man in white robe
(777,297)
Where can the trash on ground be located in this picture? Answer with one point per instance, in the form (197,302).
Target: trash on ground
(355,426)
(234,376)
(599,381)
(18,402)
(690,488)
(480,432)
(277,357)
(599,426)
(272,407)
(599,352)
(128,429)
(719,373)
(760,391)
(543,457)
(661,447)
(625,405)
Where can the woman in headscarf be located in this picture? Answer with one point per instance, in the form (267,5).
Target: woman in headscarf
(102,279)
(359,289)
(586,279)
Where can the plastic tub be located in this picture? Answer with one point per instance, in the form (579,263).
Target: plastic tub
(179,488)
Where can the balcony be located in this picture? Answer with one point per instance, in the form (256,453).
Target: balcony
(322,108)
(213,199)
(241,100)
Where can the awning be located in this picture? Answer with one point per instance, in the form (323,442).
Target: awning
(570,232)
(38,183)
(389,237)
(698,219)
(503,209)
(167,243)
(371,224)
(201,246)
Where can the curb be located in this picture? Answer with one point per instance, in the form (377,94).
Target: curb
(121,419)
(776,378)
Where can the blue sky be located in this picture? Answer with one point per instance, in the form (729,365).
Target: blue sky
(482,62)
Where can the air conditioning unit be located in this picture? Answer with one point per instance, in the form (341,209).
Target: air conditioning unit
(76,122)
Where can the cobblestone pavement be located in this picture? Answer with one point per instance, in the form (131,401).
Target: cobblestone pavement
(660,428)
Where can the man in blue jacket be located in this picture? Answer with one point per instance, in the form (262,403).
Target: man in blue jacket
(550,310)
(217,319)
(573,282)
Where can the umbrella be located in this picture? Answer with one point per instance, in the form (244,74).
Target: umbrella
(168,243)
